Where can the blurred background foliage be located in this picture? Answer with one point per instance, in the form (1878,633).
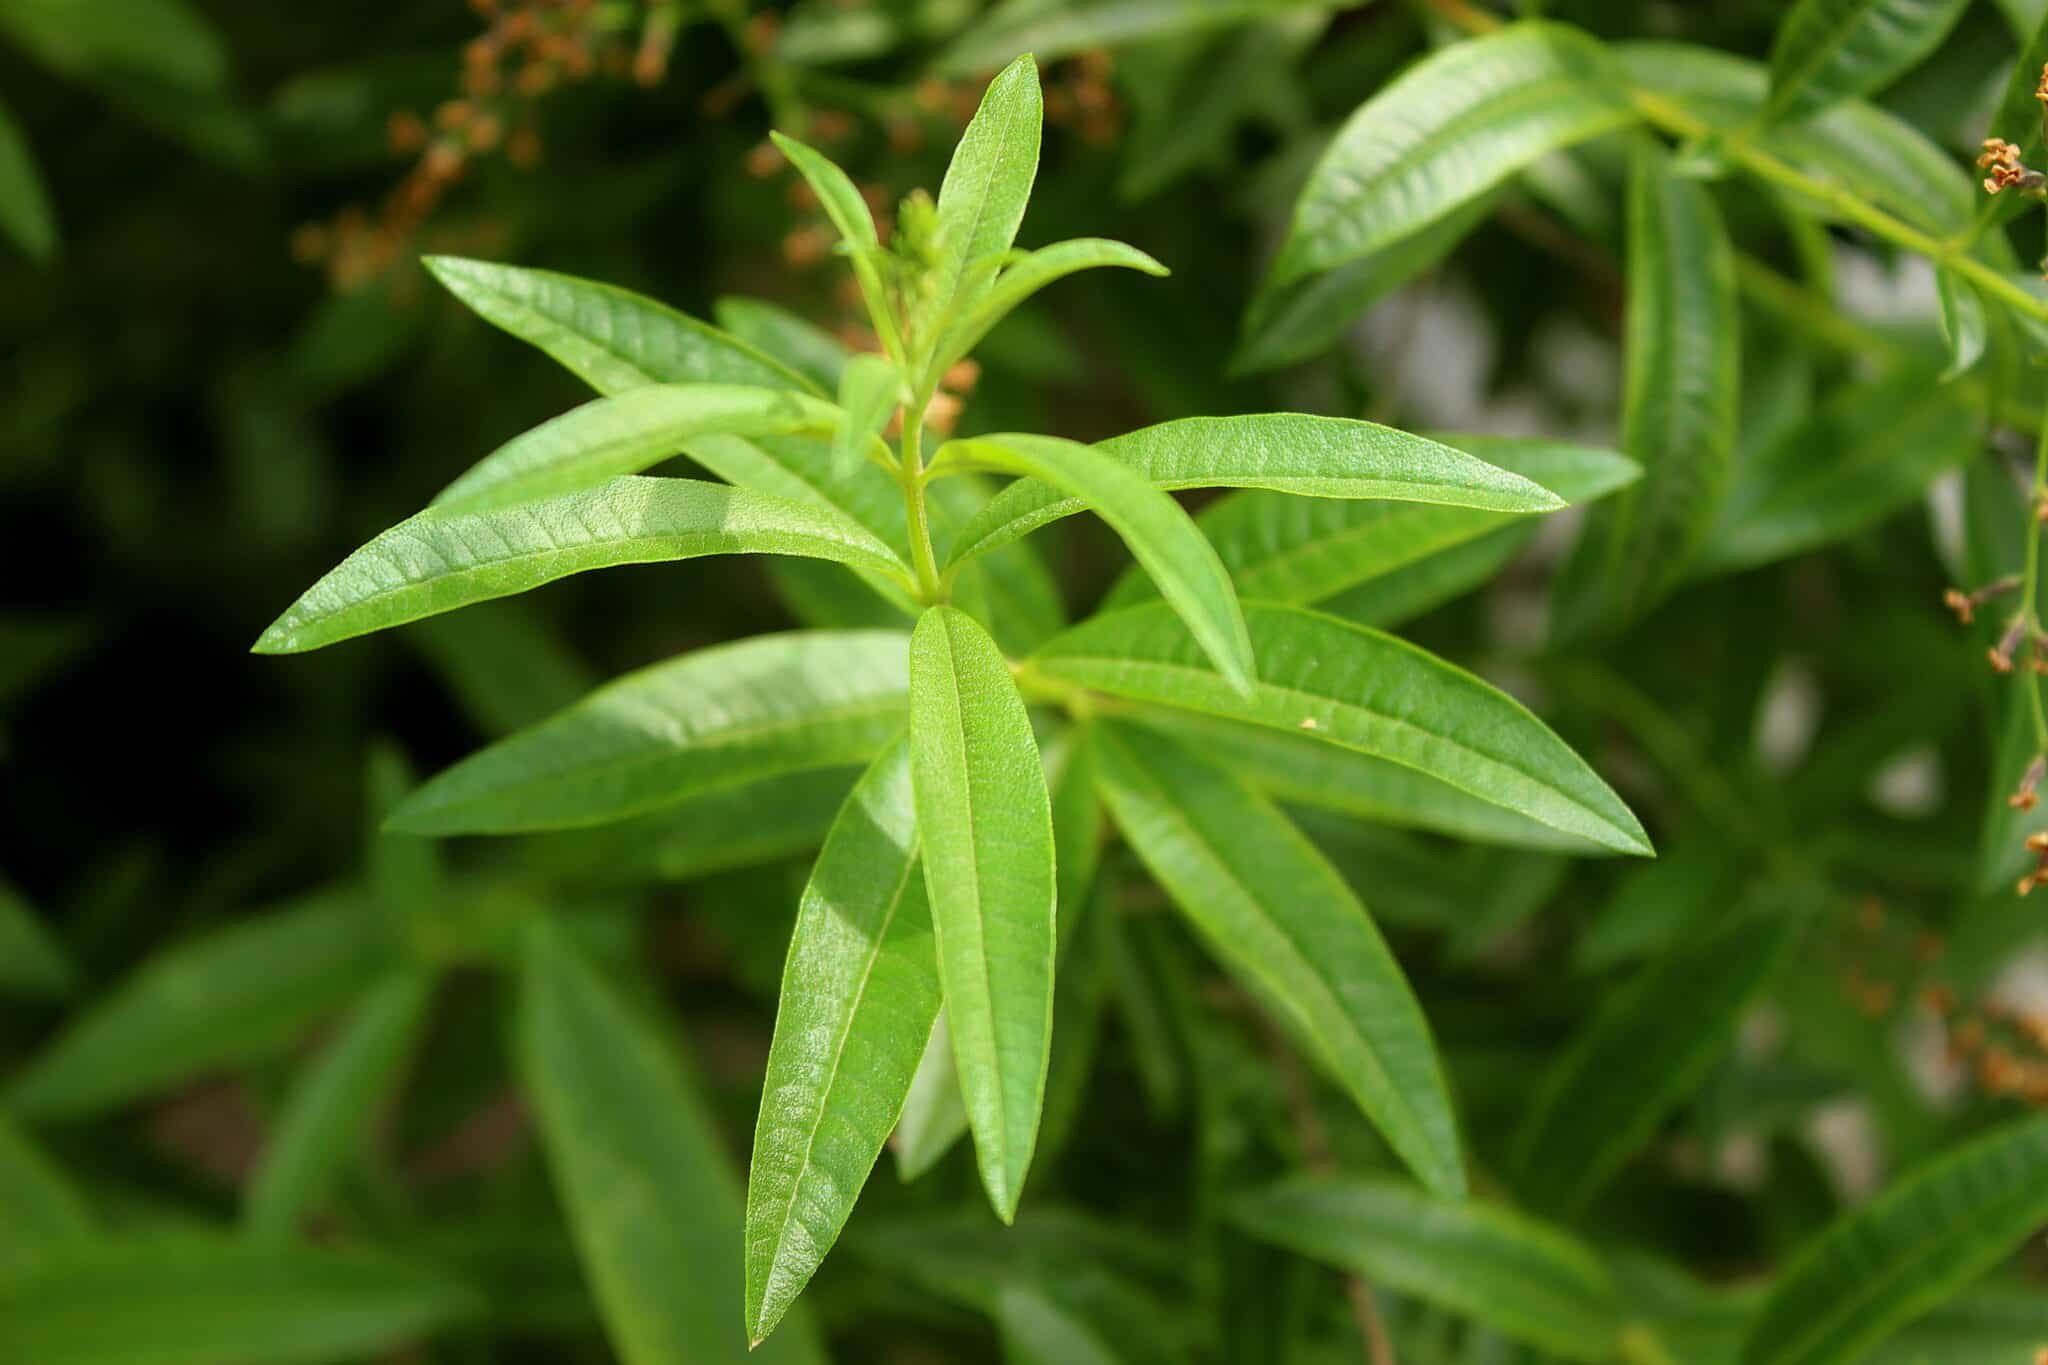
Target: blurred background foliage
(224,368)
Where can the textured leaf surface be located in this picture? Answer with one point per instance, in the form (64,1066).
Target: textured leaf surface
(1322,457)
(1827,50)
(240,993)
(611,338)
(437,562)
(650,1196)
(25,213)
(1288,549)
(986,820)
(1645,1050)
(1522,1278)
(716,718)
(1278,915)
(988,182)
(1890,1261)
(625,434)
(1446,131)
(189,1300)
(860,990)
(1680,405)
(1159,533)
(1360,689)
(333,1102)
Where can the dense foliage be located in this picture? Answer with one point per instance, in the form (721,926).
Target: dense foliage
(1436,760)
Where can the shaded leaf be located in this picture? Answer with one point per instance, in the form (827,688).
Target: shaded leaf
(1828,50)
(1962,322)
(934,1114)
(868,397)
(25,212)
(32,962)
(796,342)
(42,1216)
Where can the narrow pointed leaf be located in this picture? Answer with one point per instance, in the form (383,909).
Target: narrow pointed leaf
(1680,405)
(25,213)
(31,961)
(42,1215)
(625,434)
(1887,1263)
(860,990)
(934,1114)
(986,821)
(1962,322)
(1646,1049)
(1021,279)
(867,396)
(193,1300)
(1445,132)
(789,338)
(437,561)
(1359,689)
(843,204)
(716,718)
(1159,533)
(988,182)
(1278,916)
(1522,1278)
(644,1178)
(1319,457)
(1076,826)
(331,1106)
(1829,50)
(1281,548)
(611,338)
(240,993)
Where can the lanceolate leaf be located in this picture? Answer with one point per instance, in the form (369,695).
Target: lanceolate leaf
(609,337)
(240,993)
(641,1172)
(1524,1279)
(625,434)
(1827,50)
(1962,322)
(437,561)
(190,1300)
(1890,1261)
(867,396)
(981,200)
(1159,533)
(795,341)
(25,213)
(1680,407)
(934,1115)
(859,993)
(331,1107)
(1279,916)
(1020,280)
(986,821)
(1448,130)
(1037,1330)
(1290,549)
(843,204)
(1645,1050)
(719,717)
(1357,688)
(1321,457)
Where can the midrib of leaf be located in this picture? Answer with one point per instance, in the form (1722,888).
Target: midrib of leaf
(1821,53)
(958,268)
(1277,990)
(910,868)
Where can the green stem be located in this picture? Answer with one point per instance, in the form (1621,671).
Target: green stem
(910,476)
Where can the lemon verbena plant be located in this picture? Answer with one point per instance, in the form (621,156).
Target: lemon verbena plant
(926,950)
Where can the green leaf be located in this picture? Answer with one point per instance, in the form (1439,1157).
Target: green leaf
(1962,322)
(1522,1278)
(31,961)
(868,396)
(25,212)
(1281,919)
(1644,1051)
(860,990)
(1680,405)
(934,1113)
(1992,1325)
(243,992)
(987,184)
(1281,548)
(986,820)
(610,338)
(1319,457)
(1393,599)
(625,434)
(438,561)
(330,1107)
(1159,533)
(164,41)
(1446,131)
(1037,1330)
(1020,280)
(504,663)
(1052,31)
(42,1217)
(201,1300)
(1656,905)
(1829,50)
(797,342)
(1871,449)
(712,719)
(843,204)
(1359,689)
(1076,826)
(1886,1263)
(644,1178)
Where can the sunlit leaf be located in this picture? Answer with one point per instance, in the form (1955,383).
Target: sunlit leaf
(988,181)
(1023,278)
